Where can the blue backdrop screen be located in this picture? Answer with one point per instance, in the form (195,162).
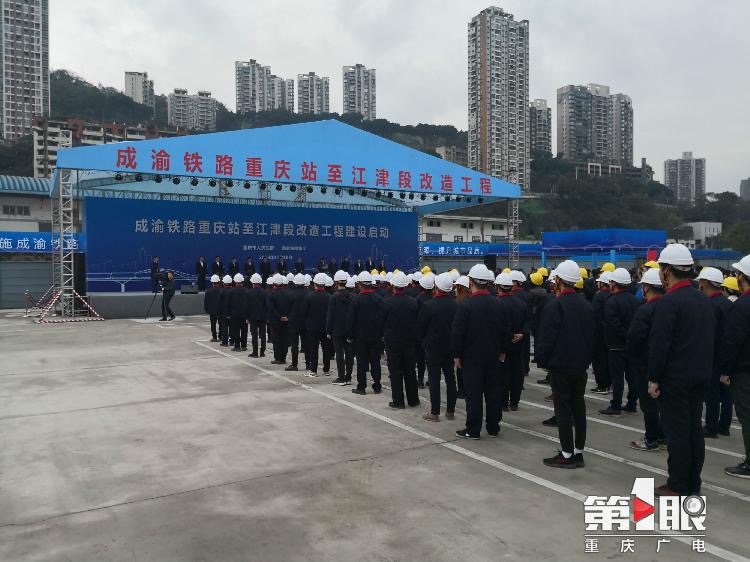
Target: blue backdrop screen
(123,234)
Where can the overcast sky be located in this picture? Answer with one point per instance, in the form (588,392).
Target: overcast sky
(684,62)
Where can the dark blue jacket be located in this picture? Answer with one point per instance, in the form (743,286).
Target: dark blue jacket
(735,349)
(314,310)
(398,319)
(364,317)
(257,304)
(566,335)
(618,312)
(640,327)
(434,323)
(338,313)
(481,330)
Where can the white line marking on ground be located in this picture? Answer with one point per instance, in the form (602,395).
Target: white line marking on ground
(710,548)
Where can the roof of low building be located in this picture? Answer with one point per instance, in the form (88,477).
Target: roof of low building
(24,185)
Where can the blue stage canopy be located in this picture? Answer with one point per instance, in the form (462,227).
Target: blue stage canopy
(605,239)
(319,153)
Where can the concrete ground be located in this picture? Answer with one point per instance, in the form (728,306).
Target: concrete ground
(139,440)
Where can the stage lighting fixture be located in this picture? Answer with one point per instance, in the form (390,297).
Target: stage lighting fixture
(176,180)
(480,200)
(377,194)
(323,189)
(229,183)
(435,197)
(423,197)
(278,187)
(262,186)
(246,185)
(310,189)
(194,182)
(292,188)
(138,177)
(351,192)
(411,196)
(157,179)
(364,192)
(118,176)
(212,182)
(390,195)
(402,195)
(337,191)
(458,198)
(447,197)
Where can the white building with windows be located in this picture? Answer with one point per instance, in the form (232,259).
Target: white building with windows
(193,112)
(702,231)
(359,91)
(140,89)
(312,93)
(257,89)
(460,228)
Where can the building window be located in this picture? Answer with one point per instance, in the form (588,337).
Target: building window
(9,209)
(458,238)
(496,226)
(467,225)
(433,223)
(433,237)
(499,239)
(476,239)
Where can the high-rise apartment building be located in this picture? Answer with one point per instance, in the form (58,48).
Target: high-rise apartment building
(140,89)
(594,125)
(192,112)
(24,65)
(359,91)
(258,90)
(540,126)
(498,49)
(745,189)
(686,178)
(312,93)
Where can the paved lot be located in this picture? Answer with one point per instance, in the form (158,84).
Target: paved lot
(127,440)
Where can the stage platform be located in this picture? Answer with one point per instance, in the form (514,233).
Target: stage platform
(134,305)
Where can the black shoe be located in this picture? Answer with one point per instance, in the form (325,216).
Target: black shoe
(162,319)
(253,354)
(277,362)
(710,434)
(377,390)
(631,410)
(171,318)
(461,395)
(236,349)
(420,384)
(742,470)
(360,391)
(559,461)
(493,435)
(542,381)
(243,349)
(550,422)
(601,390)
(338,382)
(463,434)
(262,354)
(724,432)
(514,407)
(347,381)
(609,411)
(214,339)
(224,344)
(506,409)
(396,406)
(417,403)
(291,368)
(578,457)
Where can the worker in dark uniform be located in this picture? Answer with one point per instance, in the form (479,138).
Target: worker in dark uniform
(463,292)
(399,321)
(279,308)
(264,268)
(281,267)
(223,320)
(600,364)
(234,267)
(345,264)
(480,337)
(336,318)
(217,268)
(249,269)
(257,315)
(363,330)
(211,304)
(168,294)
(426,285)
(566,340)
(735,361)
(718,398)
(238,313)
(299,265)
(680,363)
(155,275)
(618,313)
(512,369)
(538,298)
(638,333)
(297,337)
(434,331)
(201,271)
(520,292)
(358,266)
(313,311)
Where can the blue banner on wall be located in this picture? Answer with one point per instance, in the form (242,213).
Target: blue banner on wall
(39,242)
(123,234)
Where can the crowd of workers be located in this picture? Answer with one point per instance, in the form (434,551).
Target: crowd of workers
(680,342)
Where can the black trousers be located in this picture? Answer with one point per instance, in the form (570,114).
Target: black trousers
(280,339)
(317,341)
(214,320)
(400,360)
(239,333)
(344,357)
(740,389)
(438,363)
(599,363)
(526,342)
(718,406)
(482,384)
(680,404)
(650,409)
(460,381)
(512,376)
(570,408)
(201,282)
(165,310)
(223,329)
(620,372)
(420,360)
(368,357)
(258,330)
(298,339)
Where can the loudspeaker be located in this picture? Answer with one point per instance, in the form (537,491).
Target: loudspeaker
(189,289)
(490,260)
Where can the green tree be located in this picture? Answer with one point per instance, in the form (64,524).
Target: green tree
(738,237)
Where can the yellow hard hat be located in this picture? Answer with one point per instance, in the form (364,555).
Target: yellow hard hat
(426,269)
(608,267)
(579,284)
(374,272)
(507,270)
(383,273)
(652,264)
(454,269)
(584,273)
(731,284)
(396,270)
(536,278)
(543,272)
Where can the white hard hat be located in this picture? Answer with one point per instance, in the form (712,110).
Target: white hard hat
(444,282)
(300,279)
(284,280)
(504,280)
(376,278)
(354,278)
(389,276)
(711,274)
(340,275)
(621,276)
(350,282)
(256,279)
(605,277)
(215,278)
(743,266)
(290,276)
(272,280)
(569,271)
(227,279)
(454,274)
(480,272)
(462,280)
(516,275)
(676,254)
(238,278)
(427,281)
(416,276)
(410,278)
(399,280)
(651,277)
(364,277)
(552,275)
(329,281)
(320,279)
